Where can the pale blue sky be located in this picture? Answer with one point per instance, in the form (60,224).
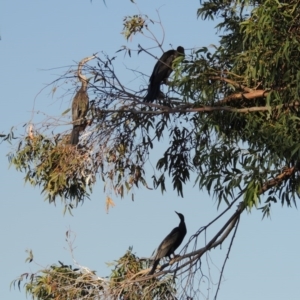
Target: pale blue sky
(39,35)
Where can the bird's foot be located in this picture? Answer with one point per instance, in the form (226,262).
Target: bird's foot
(173,260)
(161,95)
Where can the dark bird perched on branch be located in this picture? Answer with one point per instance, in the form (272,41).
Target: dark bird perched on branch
(171,242)
(80,104)
(161,72)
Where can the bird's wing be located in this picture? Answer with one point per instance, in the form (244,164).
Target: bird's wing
(168,64)
(162,68)
(80,106)
(168,243)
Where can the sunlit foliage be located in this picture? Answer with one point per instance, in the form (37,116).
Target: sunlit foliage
(230,117)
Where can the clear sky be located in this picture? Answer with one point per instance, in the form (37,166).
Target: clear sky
(37,36)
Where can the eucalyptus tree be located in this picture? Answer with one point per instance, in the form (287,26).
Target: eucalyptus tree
(231,118)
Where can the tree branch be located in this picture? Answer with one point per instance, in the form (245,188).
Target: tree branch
(225,230)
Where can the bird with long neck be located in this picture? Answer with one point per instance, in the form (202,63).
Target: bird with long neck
(161,72)
(170,243)
(80,104)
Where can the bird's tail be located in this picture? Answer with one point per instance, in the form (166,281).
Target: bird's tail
(156,262)
(153,93)
(75,135)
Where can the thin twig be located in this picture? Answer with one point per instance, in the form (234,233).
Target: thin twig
(227,257)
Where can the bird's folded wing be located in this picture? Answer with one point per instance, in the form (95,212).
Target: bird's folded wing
(169,240)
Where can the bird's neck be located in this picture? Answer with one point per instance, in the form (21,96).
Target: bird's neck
(182,226)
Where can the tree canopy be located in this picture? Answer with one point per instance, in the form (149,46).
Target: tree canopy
(231,118)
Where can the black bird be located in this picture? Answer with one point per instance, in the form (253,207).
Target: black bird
(171,242)
(161,72)
(80,104)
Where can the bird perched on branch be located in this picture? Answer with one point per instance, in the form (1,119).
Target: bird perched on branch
(161,72)
(171,242)
(80,104)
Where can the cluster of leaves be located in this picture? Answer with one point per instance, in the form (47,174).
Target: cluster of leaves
(255,78)
(133,25)
(129,268)
(62,282)
(65,282)
(60,169)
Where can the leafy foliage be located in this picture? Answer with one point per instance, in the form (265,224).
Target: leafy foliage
(133,24)
(65,282)
(61,282)
(59,168)
(127,269)
(230,115)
